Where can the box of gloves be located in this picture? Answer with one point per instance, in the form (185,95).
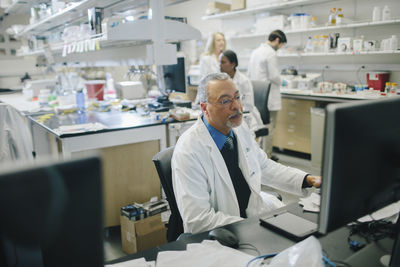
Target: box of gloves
(143,225)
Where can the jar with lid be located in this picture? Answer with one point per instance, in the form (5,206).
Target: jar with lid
(339,16)
(395,88)
(44,97)
(316,47)
(324,43)
(332,17)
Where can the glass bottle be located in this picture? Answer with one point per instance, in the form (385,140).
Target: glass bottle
(395,89)
(316,43)
(387,88)
(314,22)
(332,17)
(339,16)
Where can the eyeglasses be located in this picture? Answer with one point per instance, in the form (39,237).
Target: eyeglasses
(228,101)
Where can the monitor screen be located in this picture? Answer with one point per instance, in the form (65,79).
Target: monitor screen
(51,215)
(361,160)
(175,77)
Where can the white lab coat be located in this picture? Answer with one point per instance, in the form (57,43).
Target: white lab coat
(208,64)
(203,189)
(245,88)
(263,66)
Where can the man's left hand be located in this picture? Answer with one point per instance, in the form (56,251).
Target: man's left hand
(313,180)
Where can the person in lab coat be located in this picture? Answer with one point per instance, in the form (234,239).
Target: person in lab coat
(263,66)
(218,168)
(228,64)
(209,60)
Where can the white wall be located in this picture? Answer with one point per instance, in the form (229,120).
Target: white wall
(345,69)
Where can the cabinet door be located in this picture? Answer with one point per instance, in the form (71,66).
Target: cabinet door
(293,126)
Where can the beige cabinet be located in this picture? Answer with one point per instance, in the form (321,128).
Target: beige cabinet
(293,125)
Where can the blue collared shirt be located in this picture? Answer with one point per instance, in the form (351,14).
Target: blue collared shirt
(218,137)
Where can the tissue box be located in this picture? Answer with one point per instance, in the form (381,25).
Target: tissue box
(143,234)
(238,4)
(217,7)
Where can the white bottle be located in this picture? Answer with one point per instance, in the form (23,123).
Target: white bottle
(377,14)
(393,42)
(386,13)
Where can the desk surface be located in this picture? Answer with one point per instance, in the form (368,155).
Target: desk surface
(112,120)
(250,231)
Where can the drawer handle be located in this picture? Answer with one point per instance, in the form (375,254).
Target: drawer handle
(291,143)
(292,113)
(290,130)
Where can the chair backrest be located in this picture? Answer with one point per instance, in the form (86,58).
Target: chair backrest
(261,93)
(162,161)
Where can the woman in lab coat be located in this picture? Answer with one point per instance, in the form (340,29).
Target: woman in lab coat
(228,64)
(209,60)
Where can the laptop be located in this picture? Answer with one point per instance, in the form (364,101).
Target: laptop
(289,224)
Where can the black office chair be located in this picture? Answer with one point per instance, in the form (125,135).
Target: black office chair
(261,93)
(162,161)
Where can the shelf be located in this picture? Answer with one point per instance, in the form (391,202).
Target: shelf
(258,9)
(317,54)
(324,28)
(60,18)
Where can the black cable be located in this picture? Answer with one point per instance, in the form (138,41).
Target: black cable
(253,247)
(358,73)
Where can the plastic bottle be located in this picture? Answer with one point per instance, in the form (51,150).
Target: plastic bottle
(377,14)
(387,87)
(395,89)
(339,16)
(332,17)
(80,100)
(386,13)
(394,42)
(314,22)
(309,45)
(324,43)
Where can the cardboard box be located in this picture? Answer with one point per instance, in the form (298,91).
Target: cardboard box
(217,7)
(238,4)
(143,234)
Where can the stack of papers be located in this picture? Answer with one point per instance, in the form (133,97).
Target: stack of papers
(80,128)
(311,203)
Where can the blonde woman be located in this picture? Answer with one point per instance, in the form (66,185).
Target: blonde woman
(209,60)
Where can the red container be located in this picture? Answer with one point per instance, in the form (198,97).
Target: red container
(95,89)
(377,80)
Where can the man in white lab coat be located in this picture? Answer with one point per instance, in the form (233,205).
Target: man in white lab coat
(218,168)
(263,66)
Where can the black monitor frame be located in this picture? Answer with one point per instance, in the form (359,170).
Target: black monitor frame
(175,76)
(52,214)
(361,161)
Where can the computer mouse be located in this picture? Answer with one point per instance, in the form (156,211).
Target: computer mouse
(225,237)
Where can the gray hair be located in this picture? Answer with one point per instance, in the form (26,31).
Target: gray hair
(202,90)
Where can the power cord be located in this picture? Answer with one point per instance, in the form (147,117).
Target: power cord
(371,231)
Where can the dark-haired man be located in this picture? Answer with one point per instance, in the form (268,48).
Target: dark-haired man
(263,66)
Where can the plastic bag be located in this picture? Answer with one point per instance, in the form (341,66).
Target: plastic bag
(305,253)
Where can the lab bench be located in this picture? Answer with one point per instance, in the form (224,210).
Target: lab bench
(127,145)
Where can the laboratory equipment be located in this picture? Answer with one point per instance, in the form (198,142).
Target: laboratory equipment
(32,88)
(225,237)
(130,90)
(95,89)
(377,80)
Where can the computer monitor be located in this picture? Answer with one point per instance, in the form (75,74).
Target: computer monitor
(361,160)
(51,215)
(175,77)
